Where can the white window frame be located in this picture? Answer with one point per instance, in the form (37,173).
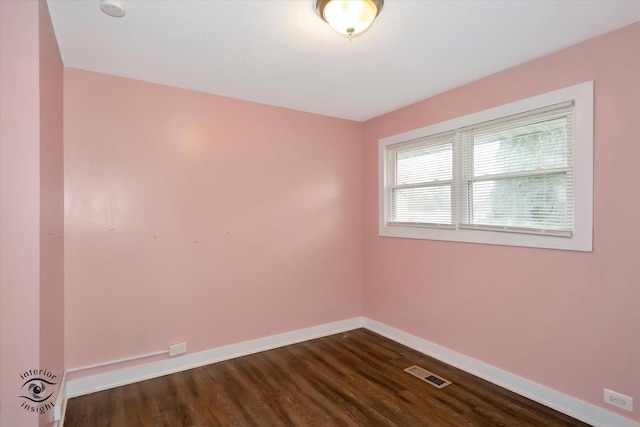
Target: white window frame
(582,237)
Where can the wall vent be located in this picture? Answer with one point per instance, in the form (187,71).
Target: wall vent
(427,376)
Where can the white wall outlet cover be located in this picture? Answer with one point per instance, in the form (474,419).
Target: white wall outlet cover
(176,349)
(618,400)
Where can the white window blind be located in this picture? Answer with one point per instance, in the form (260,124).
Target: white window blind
(420,181)
(517,173)
(514,174)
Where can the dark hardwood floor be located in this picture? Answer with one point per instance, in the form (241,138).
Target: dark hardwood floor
(350,379)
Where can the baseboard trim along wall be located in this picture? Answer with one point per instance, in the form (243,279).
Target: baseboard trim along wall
(60,405)
(571,406)
(119,377)
(576,408)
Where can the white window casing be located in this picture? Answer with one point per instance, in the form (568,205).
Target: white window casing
(520,174)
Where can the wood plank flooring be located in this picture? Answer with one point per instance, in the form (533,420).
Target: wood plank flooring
(350,379)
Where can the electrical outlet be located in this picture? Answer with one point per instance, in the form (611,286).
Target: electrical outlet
(176,349)
(618,400)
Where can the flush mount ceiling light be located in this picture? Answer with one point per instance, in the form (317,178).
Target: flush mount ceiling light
(349,17)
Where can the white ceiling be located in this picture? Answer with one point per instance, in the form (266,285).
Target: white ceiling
(279,52)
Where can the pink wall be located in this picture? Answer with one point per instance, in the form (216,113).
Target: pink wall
(567,320)
(192,217)
(19,204)
(51,203)
(30,267)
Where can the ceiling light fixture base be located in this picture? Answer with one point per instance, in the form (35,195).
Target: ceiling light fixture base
(113,8)
(349,18)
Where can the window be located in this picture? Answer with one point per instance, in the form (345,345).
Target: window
(520,174)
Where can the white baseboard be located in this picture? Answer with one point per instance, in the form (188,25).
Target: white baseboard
(571,406)
(120,377)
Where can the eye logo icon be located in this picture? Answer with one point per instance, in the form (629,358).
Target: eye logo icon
(37,390)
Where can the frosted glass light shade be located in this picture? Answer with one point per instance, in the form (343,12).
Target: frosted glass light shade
(349,17)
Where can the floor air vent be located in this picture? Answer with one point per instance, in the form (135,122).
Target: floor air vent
(427,376)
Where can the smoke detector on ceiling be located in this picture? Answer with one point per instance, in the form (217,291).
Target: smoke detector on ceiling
(113,8)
